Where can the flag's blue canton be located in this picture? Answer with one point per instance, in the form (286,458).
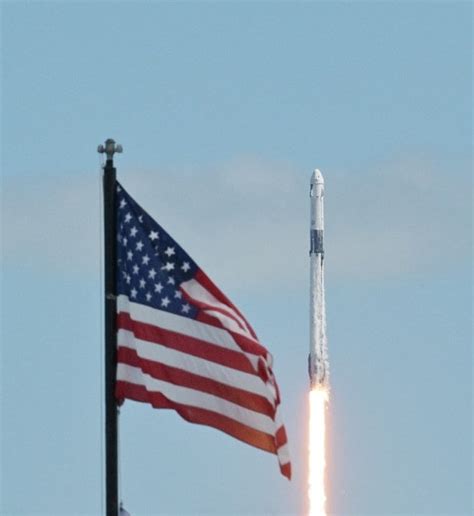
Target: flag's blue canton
(151,265)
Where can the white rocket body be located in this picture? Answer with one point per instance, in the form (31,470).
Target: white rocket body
(318,357)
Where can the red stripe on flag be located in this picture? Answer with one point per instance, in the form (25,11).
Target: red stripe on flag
(286,470)
(197,415)
(184,378)
(280,437)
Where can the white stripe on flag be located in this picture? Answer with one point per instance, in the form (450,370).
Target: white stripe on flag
(283,454)
(228,323)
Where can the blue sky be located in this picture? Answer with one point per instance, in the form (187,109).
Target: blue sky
(225,108)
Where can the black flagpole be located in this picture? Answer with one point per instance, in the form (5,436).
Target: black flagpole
(110,252)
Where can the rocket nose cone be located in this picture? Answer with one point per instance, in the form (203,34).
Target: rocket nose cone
(317,178)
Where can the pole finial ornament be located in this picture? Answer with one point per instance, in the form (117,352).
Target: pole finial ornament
(110,148)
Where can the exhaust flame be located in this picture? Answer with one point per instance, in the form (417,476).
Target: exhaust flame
(318,398)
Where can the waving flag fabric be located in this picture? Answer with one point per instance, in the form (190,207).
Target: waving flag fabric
(183,345)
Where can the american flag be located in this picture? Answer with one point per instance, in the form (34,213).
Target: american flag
(183,345)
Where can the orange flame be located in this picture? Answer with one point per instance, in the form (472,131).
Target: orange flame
(318,398)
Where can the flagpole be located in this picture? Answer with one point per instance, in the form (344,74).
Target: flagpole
(110,260)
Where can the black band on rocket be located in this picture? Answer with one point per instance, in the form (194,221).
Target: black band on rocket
(317,241)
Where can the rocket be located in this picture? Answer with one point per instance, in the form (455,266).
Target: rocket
(318,356)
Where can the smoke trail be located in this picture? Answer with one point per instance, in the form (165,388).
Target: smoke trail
(323,336)
(318,361)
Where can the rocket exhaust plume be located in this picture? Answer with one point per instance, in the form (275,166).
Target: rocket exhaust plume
(318,363)
(318,398)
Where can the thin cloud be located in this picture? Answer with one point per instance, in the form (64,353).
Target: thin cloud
(246,221)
